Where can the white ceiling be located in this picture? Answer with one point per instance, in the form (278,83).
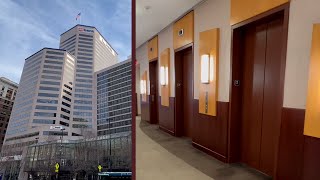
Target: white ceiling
(154,15)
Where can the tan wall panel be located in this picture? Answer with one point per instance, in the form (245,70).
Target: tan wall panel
(145,77)
(165,90)
(245,9)
(185,23)
(312,117)
(209,44)
(153,48)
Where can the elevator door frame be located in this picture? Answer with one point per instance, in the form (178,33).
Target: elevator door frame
(154,105)
(178,130)
(234,125)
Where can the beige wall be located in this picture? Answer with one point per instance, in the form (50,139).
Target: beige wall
(303,13)
(165,40)
(142,58)
(216,14)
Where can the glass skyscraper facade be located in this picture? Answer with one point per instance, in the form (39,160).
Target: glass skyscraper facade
(114,99)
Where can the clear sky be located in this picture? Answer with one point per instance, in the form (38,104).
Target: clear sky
(26,26)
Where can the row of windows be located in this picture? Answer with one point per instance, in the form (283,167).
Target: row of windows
(51,77)
(66,104)
(64,123)
(48,101)
(23,136)
(83,71)
(66,98)
(48,88)
(65,110)
(84,54)
(83,90)
(84,46)
(84,80)
(115,118)
(85,67)
(47,95)
(115,69)
(85,39)
(52,72)
(84,58)
(84,85)
(114,97)
(55,133)
(81,126)
(46,107)
(44,114)
(55,52)
(84,62)
(82,102)
(67,44)
(43,121)
(83,96)
(85,50)
(114,125)
(53,62)
(113,131)
(85,35)
(52,67)
(54,57)
(83,107)
(82,119)
(67,86)
(85,42)
(68,39)
(67,92)
(83,75)
(76,113)
(64,117)
(50,83)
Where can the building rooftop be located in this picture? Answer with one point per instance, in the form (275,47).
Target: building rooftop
(6,80)
(95,29)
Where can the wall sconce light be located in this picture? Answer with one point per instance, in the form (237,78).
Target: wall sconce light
(207,68)
(143,88)
(164,76)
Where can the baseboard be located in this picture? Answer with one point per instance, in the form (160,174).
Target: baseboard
(166,130)
(210,152)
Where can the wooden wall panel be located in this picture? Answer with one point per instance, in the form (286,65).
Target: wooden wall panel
(185,23)
(210,132)
(244,9)
(145,109)
(144,77)
(209,44)
(165,90)
(153,48)
(290,155)
(166,116)
(312,118)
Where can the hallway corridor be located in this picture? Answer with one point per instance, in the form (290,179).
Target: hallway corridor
(161,156)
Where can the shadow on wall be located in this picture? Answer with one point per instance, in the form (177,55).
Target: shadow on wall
(182,148)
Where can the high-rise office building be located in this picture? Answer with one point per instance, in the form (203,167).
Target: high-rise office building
(8,91)
(114,98)
(92,53)
(43,100)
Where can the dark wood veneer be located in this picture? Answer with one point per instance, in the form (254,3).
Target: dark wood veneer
(210,132)
(145,109)
(166,116)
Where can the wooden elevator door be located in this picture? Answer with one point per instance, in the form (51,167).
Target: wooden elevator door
(261,93)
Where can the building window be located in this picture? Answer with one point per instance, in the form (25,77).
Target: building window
(47,95)
(64,117)
(50,82)
(43,121)
(48,101)
(64,123)
(65,110)
(46,107)
(54,52)
(48,88)
(45,114)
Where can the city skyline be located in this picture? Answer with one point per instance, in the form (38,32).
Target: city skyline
(43,22)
